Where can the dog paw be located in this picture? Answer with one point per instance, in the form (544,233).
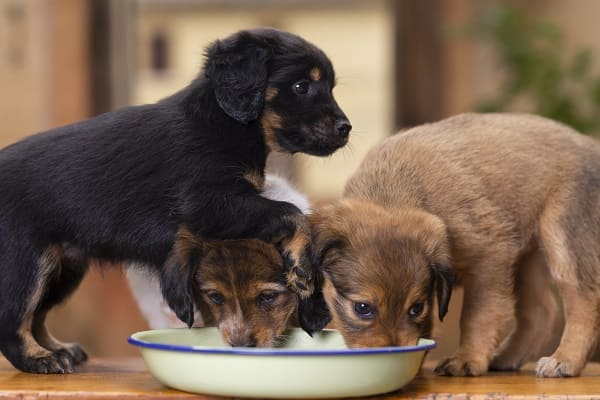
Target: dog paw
(78,355)
(456,366)
(59,362)
(553,367)
(300,276)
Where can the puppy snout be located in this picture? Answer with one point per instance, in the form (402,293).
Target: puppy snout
(243,341)
(343,127)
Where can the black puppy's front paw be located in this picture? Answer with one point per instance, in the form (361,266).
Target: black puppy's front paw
(299,275)
(296,251)
(58,362)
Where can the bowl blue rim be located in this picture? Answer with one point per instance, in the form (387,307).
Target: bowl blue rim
(279,352)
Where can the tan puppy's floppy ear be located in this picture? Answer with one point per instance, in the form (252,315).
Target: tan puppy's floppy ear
(443,277)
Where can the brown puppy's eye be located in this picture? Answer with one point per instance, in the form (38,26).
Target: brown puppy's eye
(266,298)
(364,310)
(416,309)
(217,298)
(301,87)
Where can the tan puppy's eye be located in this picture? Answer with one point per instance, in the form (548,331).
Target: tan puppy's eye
(416,309)
(216,297)
(266,298)
(364,310)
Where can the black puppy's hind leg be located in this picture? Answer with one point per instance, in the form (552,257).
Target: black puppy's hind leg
(63,282)
(22,329)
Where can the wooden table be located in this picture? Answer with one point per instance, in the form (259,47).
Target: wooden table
(128,379)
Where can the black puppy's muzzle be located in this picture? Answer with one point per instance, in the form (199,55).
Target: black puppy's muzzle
(343,127)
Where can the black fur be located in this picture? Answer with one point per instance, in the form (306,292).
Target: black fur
(443,277)
(118,187)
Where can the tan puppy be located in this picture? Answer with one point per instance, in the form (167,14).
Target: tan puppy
(482,196)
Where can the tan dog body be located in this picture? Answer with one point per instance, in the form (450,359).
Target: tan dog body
(489,195)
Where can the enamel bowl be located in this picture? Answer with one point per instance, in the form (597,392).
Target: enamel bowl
(196,360)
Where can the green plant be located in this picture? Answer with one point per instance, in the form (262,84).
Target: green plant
(532,54)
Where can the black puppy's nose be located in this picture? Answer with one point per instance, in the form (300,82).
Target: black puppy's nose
(343,127)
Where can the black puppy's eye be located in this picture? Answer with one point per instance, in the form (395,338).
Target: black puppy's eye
(217,298)
(301,87)
(364,310)
(267,297)
(416,309)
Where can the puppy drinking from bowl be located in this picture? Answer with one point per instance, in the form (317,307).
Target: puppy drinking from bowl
(476,198)
(239,286)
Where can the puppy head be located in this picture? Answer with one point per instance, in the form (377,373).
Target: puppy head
(384,272)
(243,285)
(284,83)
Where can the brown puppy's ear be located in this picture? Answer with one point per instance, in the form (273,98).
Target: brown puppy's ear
(313,313)
(237,67)
(443,277)
(177,277)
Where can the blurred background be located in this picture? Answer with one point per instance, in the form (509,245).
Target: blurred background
(399,63)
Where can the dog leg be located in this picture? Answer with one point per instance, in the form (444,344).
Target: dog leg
(71,353)
(26,343)
(561,232)
(488,305)
(579,337)
(537,313)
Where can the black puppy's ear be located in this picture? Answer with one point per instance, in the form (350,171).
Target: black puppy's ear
(443,277)
(237,67)
(177,279)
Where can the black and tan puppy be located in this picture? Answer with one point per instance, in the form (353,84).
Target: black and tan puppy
(481,198)
(239,286)
(127,185)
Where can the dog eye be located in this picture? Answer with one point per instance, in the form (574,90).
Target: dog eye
(416,309)
(363,310)
(267,297)
(301,87)
(216,298)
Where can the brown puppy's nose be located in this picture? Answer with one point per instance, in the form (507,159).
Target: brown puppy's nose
(343,127)
(243,342)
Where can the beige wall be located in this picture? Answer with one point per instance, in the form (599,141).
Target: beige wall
(23,69)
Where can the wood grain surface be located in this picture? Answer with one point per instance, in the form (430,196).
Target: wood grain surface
(128,379)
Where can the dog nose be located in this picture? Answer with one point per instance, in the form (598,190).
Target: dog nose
(243,342)
(343,127)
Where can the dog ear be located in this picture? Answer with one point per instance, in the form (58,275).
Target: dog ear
(313,313)
(237,67)
(178,275)
(443,277)
(176,283)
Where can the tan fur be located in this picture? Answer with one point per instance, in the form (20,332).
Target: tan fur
(270,121)
(315,74)
(505,186)
(256,179)
(240,272)
(271,93)
(48,262)
(294,248)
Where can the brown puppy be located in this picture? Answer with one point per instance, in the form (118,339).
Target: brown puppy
(481,196)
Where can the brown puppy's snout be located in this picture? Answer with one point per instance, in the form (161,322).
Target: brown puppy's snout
(242,340)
